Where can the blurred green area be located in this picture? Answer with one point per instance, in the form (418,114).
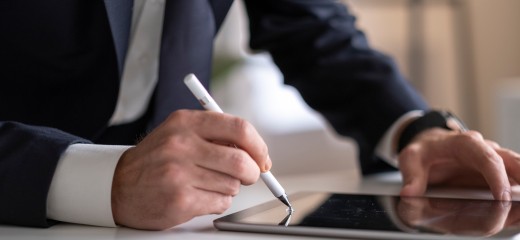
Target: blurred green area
(222,66)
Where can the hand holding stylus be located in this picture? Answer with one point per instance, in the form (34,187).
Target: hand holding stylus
(209,103)
(182,170)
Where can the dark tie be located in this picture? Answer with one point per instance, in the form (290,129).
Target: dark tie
(120,18)
(186,47)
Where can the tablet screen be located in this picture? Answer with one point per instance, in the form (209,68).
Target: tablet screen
(377,216)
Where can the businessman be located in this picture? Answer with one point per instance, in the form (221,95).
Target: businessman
(97,128)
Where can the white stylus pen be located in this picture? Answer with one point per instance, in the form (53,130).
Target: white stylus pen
(208,103)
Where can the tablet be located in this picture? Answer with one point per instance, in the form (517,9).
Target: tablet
(379,217)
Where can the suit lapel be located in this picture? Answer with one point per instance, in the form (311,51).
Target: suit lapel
(120,18)
(220,10)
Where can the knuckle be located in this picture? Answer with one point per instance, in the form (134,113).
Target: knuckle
(179,116)
(238,162)
(252,177)
(493,144)
(234,187)
(472,136)
(225,204)
(245,169)
(492,159)
(475,138)
(409,151)
(411,155)
(243,128)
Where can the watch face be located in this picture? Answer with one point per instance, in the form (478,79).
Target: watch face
(454,123)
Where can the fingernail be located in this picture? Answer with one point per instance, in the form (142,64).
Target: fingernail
(405,190)
(506,196)
(268,164)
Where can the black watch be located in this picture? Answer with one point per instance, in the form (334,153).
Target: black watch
(431,119)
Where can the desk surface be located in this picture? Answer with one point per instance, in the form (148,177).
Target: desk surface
(202,227)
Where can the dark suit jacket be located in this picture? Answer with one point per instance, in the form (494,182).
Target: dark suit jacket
(60,64)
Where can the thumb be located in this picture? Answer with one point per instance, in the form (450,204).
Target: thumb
(414,172)
(414,187)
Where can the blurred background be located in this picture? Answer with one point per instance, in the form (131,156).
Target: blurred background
(462,55)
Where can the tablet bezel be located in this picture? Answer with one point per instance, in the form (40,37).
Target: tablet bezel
(227,223)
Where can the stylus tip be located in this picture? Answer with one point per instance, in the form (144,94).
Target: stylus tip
(285,201)
(290,210)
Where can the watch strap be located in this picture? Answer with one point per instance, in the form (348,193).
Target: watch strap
(431,119)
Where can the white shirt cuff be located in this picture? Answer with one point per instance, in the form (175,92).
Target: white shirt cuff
(386,148)
(80,190)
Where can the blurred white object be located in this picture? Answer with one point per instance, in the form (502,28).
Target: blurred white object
(299,139)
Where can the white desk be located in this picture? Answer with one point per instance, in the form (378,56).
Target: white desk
(202,227)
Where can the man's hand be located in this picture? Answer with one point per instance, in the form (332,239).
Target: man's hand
(477,218)
(441,157)
(183,169)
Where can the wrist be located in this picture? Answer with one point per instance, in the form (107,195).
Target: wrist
(118,186)
(432,119)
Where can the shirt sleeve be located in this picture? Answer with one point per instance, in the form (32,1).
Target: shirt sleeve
(387,146)
(80,190)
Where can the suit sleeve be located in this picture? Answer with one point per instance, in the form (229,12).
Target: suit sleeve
(320,52)
(28,158)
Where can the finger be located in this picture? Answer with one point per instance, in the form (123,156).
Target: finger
(411,210)
(513,218)
(209,180)
(248,139)
(230,129)
(458,216)
(493,144)
(511,163)
(197,202)
(414,172)
(230,161)
(214,203)
(484,159)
